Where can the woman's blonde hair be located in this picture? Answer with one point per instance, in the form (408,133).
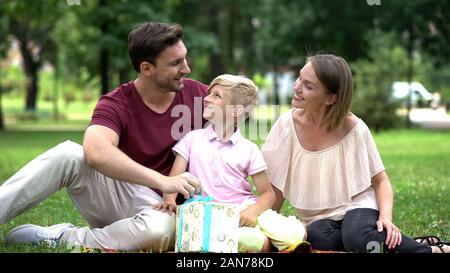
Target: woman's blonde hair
(335,74)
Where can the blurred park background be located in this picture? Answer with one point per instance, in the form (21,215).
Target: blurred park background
(57,57)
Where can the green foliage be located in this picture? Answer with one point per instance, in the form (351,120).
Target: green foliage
(4,43)
(425,22)
(246,36)
(438,80)
(69,97)
(307,27)
(13,81)
(373,78)
(30,23)
(87,97)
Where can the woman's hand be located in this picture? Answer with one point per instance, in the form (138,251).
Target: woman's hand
(394,237)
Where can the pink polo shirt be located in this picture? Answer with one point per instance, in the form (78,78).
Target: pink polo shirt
(222,167)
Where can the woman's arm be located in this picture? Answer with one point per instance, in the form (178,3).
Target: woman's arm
(279,199)
(264,201)
(385,201)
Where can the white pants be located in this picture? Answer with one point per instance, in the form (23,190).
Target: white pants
(120,213)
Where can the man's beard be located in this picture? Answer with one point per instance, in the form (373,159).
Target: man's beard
(169,85)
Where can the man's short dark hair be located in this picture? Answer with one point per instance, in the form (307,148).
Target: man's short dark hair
(150,39)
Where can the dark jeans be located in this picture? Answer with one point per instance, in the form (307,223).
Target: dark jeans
(357,232)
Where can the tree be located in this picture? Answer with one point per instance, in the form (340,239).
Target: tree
(124,16)
(98,44)
(423,27)
(205,35)
(308,27)
(270,21)
(4,45)
(372,100)
(425,22)
(30,22)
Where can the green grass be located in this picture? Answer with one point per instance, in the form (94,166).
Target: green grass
(417,163)
(17,148)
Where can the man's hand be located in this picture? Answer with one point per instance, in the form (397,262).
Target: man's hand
(185,183)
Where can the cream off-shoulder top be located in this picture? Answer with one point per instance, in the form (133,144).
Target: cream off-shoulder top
(322,184)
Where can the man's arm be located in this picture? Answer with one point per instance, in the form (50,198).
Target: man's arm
(101,153)
(169,203)
(179,167)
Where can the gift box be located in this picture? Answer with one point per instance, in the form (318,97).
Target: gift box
(205,226)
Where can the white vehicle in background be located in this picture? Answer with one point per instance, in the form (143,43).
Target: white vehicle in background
(420,96)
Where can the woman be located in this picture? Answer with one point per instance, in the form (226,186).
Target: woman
(324,161)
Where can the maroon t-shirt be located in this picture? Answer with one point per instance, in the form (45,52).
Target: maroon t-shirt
(145,136)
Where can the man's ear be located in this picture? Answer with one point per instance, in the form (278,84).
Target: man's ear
(147,68)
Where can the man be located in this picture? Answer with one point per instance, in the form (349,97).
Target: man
(128,139)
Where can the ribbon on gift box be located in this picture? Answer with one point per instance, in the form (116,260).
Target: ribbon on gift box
(199,198)
(206,223)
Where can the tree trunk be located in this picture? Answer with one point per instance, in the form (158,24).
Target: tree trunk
(124,75)
(56,79)
(104,63)
(276,97)
(2,123)
(410,74)
(32,90)
(31,67)
(104,55)
(231,61)
(215,59)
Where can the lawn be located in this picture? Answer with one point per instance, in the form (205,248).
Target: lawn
(417,162)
